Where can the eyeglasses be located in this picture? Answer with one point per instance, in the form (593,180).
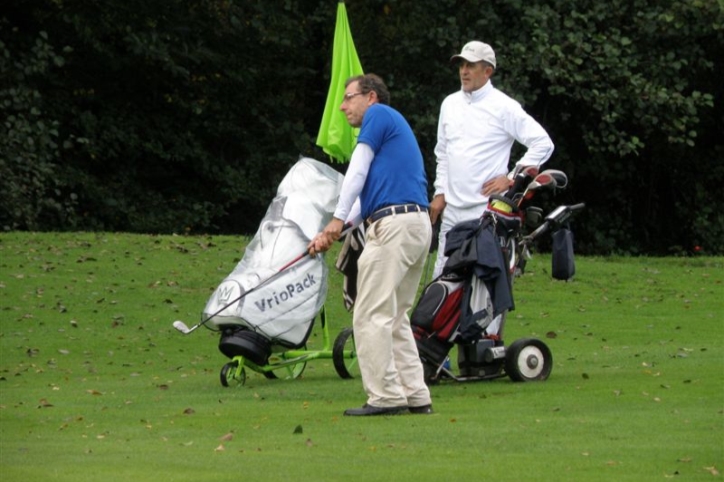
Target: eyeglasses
(350,96)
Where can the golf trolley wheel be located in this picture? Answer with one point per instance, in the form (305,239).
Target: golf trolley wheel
(527,360)
(287,372)
(228,374)
(344,354)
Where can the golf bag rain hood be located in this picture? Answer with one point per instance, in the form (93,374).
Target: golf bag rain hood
(281,305)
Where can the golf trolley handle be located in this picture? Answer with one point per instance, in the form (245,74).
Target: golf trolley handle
(555,218)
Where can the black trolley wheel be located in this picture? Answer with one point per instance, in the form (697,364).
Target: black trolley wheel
(344,354)
(527,360)
(228,374)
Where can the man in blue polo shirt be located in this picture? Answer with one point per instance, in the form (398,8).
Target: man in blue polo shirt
(386,172)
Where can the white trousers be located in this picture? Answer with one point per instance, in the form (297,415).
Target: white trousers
(389,272)
(450,217)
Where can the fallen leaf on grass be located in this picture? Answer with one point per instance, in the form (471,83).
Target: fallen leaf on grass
(93,392)
(551,334)
(43,403)
(227,437)
(309,442)
(712,470)
(220,448)
(298,429)
(189,411)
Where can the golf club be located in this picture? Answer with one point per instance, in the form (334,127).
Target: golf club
(542,180)
(183,328)
(560,177)
(521,179)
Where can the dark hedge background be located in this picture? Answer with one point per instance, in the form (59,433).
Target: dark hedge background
(184,115)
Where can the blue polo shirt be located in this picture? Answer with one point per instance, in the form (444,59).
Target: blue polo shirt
(397,173)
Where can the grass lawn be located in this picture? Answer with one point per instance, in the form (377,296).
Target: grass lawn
(95,384)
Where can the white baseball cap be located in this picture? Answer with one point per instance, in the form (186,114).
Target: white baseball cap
(476,51)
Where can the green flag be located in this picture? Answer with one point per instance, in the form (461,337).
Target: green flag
(336,136)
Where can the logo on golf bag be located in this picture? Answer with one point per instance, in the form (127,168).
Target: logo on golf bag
(290,290)
(225,292)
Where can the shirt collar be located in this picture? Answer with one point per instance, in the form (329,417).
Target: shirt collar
(479,94)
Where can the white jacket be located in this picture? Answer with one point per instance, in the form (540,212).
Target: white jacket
(475,134)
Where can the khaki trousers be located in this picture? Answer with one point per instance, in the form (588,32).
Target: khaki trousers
(390,269)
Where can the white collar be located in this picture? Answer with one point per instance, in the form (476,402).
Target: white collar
(481,93)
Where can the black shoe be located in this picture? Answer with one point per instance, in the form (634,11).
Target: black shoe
(370,410)
(422,410)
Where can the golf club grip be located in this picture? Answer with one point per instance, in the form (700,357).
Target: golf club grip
(520,181)
(305,253)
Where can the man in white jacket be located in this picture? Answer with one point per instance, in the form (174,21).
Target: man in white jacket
(476,131)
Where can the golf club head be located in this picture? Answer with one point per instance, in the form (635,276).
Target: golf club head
(560,177)
(531,171)
(521,179)
(181,326)
(542,180)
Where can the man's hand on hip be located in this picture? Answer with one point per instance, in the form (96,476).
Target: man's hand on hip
(497,185)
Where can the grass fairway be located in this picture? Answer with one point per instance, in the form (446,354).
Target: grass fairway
(95,384)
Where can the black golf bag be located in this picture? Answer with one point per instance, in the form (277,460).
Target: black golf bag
(465,305)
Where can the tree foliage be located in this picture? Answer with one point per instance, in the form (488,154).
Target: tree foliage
(183,115)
